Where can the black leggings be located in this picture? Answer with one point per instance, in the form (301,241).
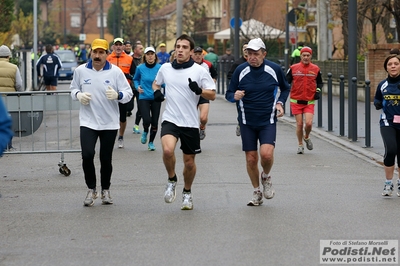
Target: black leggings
(150,111)
(391,141)
(88,143)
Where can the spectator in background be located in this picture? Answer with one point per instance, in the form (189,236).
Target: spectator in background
(212,57)
(295,58)
(162,55)
(51,65)
(10,81)
(5,128)
(227,60)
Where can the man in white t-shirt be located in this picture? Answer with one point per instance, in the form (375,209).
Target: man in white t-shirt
(180,118)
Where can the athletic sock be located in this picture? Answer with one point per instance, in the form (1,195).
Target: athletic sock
(186,190)
(173,179)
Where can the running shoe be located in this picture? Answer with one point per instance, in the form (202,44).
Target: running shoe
(136,130)
(309,144)
(90,197)
(202,134)
(187,201)
(238,130)
(398,187)
(300,149)
(151,146)
(257,199)
(387,189)
(120,143)
(269,191)
(143,139)
(170,192)
(106,197)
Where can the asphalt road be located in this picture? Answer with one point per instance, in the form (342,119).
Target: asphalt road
(332,192)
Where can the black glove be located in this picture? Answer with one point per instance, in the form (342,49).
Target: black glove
(158,96)
(194,87)
(317,94)
(378,105)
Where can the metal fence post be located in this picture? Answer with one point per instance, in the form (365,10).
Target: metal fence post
(341,106)
(354,109)
(330,98)
(367,114)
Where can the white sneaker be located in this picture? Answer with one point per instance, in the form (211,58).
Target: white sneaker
(300,150)
(257,199)
(120,143)
(106,197)
(398,187)
(269,191)
(90,197)
(387,189)
(187,201)
(170,192)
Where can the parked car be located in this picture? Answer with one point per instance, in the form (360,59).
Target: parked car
(69,63)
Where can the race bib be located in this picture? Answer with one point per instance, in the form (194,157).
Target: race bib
(396,119)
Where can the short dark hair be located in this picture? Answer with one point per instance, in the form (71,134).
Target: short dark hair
(49,48)
(187,38)
(388,58)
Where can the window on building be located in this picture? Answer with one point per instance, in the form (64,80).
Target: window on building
(104,20)
(75,20)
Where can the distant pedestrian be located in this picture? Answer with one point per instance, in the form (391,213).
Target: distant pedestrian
(306,80)
(212,57)
(5,128)
(128,48)
(260,88)
(387,97)
(227,60)
(185,81)
(149,108)
(51,66)
(10,78)
(295,57)
(99,86)
(162,55)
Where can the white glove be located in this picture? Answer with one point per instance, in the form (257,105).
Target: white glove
(84,97)
(111,93)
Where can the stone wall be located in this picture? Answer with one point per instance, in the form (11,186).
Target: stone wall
(377,54)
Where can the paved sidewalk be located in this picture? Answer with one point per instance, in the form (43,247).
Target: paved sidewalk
(331,192)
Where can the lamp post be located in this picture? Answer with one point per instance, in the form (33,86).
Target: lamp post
(101,20)
(148,22)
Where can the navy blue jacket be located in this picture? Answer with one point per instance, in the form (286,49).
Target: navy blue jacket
(264,86)
(51,65)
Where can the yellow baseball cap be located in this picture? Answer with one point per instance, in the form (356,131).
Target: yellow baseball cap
(99,43)
(162,44)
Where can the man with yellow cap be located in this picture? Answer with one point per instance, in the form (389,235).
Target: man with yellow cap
(99,86)
(162,55)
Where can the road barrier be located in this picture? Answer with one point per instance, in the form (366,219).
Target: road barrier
(44,122)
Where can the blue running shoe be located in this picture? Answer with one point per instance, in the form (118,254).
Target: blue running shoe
(143,139)
(151,146)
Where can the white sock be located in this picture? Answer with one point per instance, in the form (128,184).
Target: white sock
(257,189)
